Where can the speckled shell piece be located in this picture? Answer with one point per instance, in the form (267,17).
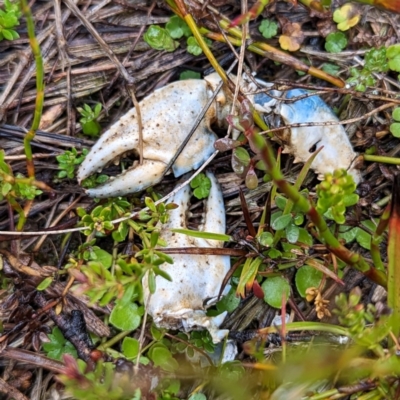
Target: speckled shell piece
(337,150)
(196,279)
(168,115)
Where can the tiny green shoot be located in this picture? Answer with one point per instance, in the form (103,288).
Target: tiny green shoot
(89,123)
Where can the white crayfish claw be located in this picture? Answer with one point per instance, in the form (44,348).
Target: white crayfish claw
(302,141)
(167,115)
(196,279)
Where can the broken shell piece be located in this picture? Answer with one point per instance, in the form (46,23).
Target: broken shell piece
(337,152)
(167,115)
(196,279)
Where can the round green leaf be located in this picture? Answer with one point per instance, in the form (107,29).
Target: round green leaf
(395,129)
(126,317)
(307,277)
(130,348)
(292,233)
(193,47)
(281,222)
(266,239)
(274,288)
(396,114)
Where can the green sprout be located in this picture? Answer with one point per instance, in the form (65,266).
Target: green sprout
(89,123)
(68,161)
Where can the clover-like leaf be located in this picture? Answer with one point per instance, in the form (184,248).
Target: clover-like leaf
(201,185)
(347,16)
(268,28)
(335,42)
(158,38)
(292,36)
(177,27)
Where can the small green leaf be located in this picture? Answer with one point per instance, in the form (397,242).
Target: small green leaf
(177,27)
(162,357)
(346,16)
(363,239)
(45,283)
(335,42)
(305,237)
(281,222)
(5,188)
(203,235)
(393,55)
(395,129)
(396,114)
(193,47)
(280,202)
(266,239)
(130,348)
(229,302)
(274,253)
(274,288)
(347,233)
(125,318)
(159,39)
(331,69)
(103,257)
(350,199)
(307,277)
(202,185)
(189,75)
(58,345)
(268,28)
(292,233)
(240,160)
